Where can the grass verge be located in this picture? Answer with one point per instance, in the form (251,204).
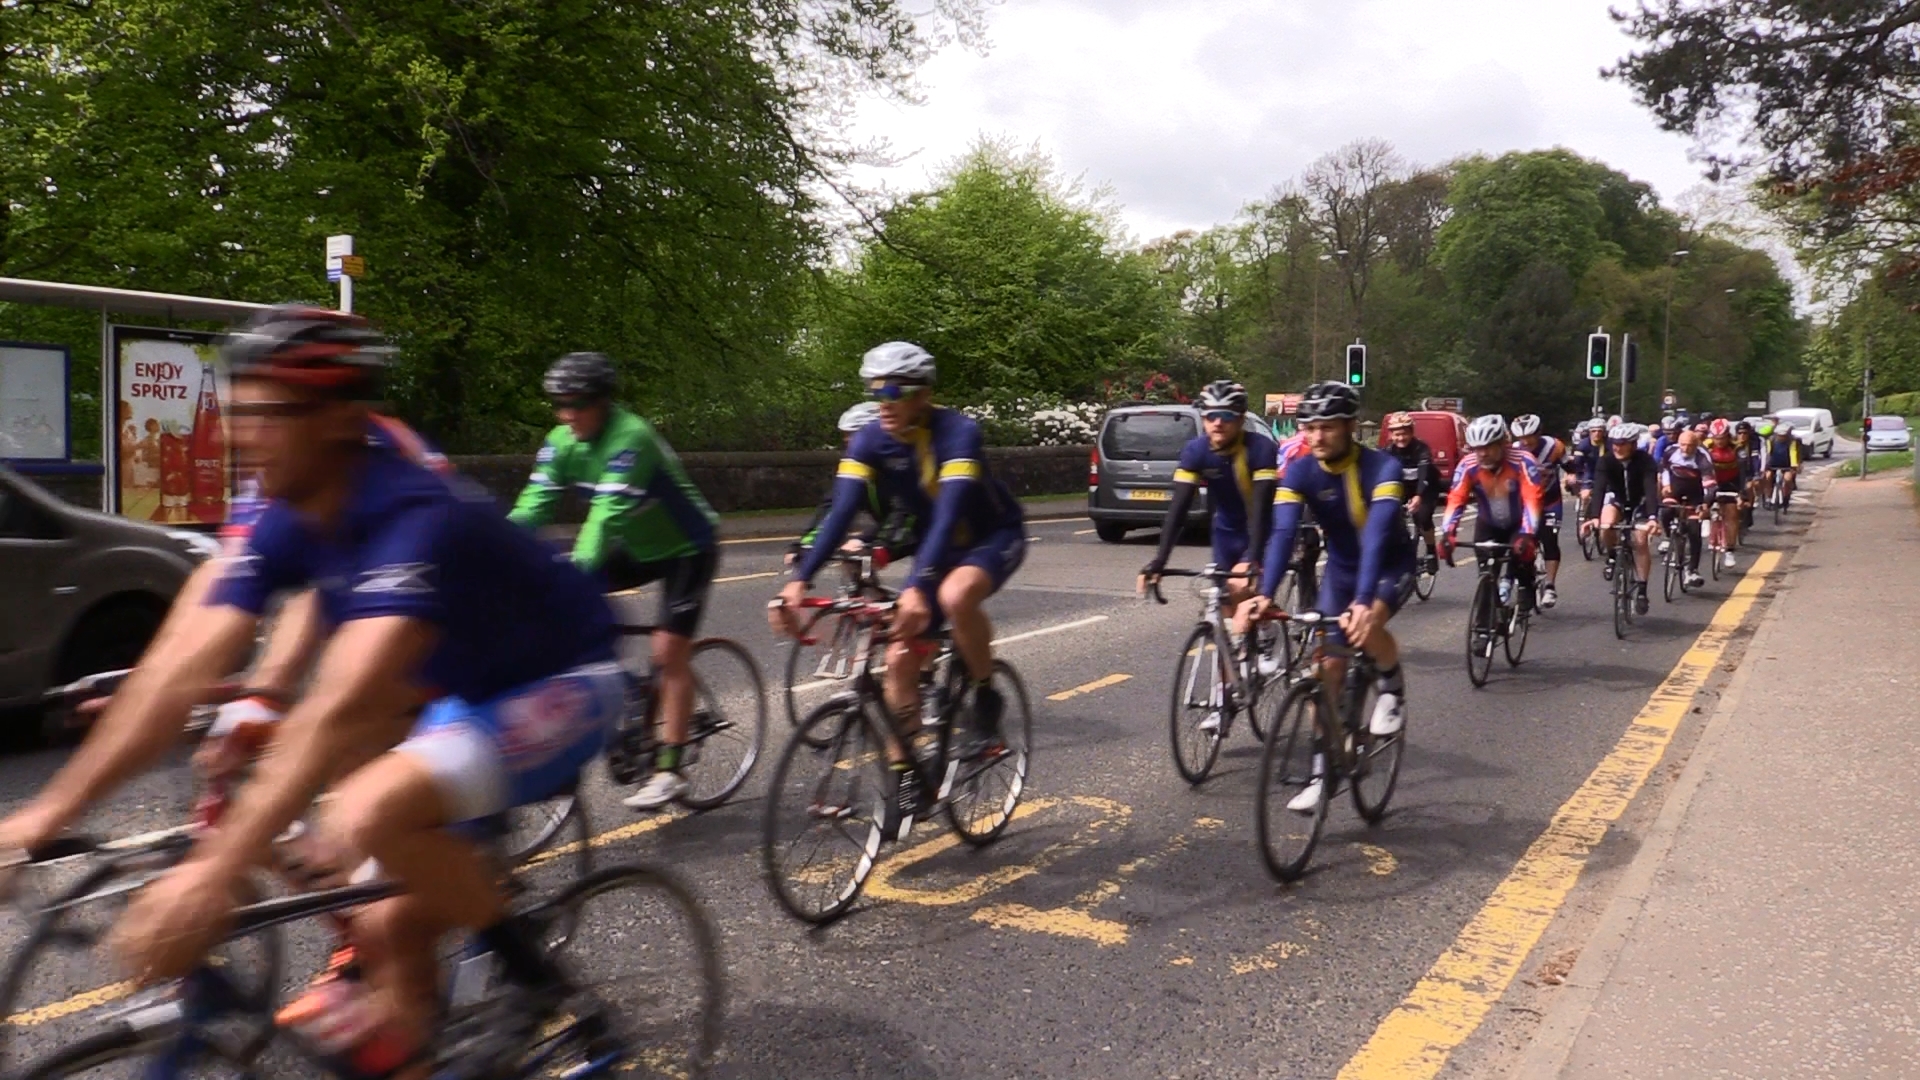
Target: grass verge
(1881,462)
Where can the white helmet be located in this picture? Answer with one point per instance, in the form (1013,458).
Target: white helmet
(897,360)
(1486,431)
(1525,424)
(860,416)
(1624,433)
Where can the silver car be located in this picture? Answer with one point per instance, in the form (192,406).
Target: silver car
(1889,433)
(80,591)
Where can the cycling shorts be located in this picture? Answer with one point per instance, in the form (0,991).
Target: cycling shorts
(1229,547)
(685,582)
(1339,585)
(526,745)
(999,553)
(1688,491)
(1423,519)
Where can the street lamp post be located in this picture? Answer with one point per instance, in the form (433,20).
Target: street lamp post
(1318,270)
(1666,335)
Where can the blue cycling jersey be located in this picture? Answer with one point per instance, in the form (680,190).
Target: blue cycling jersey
(1229,477)
(939,471)
(509,609)
(1356,502)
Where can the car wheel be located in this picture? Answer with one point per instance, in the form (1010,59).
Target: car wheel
(110,637)
(1111,531)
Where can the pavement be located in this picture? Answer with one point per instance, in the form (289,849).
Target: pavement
(1766,927)
(1124,927)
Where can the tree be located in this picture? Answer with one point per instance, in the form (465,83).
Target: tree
(1348,191)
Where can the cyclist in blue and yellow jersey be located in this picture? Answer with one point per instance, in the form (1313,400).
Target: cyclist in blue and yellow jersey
(1504,484)
(973,539)
(891,528)
(1355,493)
(1239,468)
(1550,460)
(1782,453)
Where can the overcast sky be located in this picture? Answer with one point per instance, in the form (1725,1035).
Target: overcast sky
(1188,109)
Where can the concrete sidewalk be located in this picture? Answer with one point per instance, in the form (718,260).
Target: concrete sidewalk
(1770,926)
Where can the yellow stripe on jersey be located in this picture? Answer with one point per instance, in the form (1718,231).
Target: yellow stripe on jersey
(1185,476)
(1288,495)
(1240,477)
(961,469)
(1356,506)
(855,469)
(1389,490)
(1265,474)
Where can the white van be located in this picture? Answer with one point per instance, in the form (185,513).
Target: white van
(1814,429)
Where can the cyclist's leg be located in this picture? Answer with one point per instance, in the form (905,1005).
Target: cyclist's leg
(1695,513)
(1643,533)
(1550,540)
(1609,520)
(683,600)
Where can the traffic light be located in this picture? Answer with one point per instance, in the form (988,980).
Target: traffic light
(1599,347)
(1356,365)
(1630,356)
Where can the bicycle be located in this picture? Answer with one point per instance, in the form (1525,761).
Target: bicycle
(1777,494)
(849,642)
(1496,614)
(492,1025)
(835,774)
(1314,735)
(1584,511)
(729,723)
(1715,530)
(1673,555)
(1215,680)
(1423,558)
(1624,573)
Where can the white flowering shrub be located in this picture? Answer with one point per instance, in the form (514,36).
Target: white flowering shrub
(1037,421)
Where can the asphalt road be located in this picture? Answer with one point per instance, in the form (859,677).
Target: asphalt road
(1125,926)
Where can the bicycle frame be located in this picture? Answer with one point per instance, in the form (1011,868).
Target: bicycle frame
(1359,671)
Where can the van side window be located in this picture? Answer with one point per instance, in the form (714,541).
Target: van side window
(20,519)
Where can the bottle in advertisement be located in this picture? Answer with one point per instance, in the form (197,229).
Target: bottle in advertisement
(208,484)
(174,482)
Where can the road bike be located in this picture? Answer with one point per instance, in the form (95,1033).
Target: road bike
(1424,562)
(724,734)
(1585,511)
(1715,530)
(1319,731)
(1215,679)
(823,659)
(1624,573)
(1777,494)
(1675,539)
(1497,615)
(827,809)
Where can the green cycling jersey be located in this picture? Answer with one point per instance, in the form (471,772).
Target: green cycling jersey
(642,501)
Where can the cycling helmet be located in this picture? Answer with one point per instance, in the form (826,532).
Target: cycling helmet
(901,360)
(1783,427)
(1669,423)
(1765,428)
(1624,433)
(1222,394)
(1719,429)
(580,375)
(1486,431)
(1525,424)
(1615,420)
(308,346)
(1398,420)
(860,416)
(1328,401)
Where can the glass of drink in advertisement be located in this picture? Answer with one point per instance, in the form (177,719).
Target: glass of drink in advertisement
(174,480)
(207,453)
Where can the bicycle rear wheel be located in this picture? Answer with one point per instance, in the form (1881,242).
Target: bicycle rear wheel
(1623,596)
(729,723)
(821,830)
(117,1051)
(1423,578)
(1376,769)
(1670,570)
(1589,538)
(533,828)
(983,792)
(1199,694)
(1287,768)
(1482,627)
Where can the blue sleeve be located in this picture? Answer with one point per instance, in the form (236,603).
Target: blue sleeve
(403,567)
(268,564)
(856,471)
(960,456)
(1383,505)
(1288,503)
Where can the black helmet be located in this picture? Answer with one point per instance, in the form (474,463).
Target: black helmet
(1223,394)
(1328,401)
(580,374)
(328,350)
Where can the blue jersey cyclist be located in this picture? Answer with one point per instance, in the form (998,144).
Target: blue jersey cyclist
(972,537)
(1240,468)
(1355,495)
(431,601)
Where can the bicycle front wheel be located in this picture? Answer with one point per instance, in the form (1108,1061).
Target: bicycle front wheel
(1623,597)
(1670,571)
(1199,699)
(1482,627)
(728,726)
(1294,769)
(983,790)
(821,829)
(1514,640)
(818,665)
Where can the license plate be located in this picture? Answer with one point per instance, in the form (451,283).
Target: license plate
(1146,494)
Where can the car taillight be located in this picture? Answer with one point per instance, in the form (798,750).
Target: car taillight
(1093,468)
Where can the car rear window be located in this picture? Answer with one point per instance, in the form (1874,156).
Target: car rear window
(1147,436)
(1888,423)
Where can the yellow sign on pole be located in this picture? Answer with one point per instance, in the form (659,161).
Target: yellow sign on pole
(353,265)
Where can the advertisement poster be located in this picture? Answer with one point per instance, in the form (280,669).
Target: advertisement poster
(171,427)
(33,402)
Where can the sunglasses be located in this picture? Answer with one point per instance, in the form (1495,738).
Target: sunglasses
(884,390)
(1220,416)
(572,403)
(273,410)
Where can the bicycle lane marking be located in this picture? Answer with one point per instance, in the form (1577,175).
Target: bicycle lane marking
(1076,919)
(882,887)
(1101,683)
(1449,1003)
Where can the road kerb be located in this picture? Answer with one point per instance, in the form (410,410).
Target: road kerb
(1553,1041)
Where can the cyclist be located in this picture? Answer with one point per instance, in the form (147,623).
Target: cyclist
(1240,469)
(973,541)
(1663,442)
(1550,461)
(1305,562)
(1783,457)
(432,600)
(1627,482)
(1419,479)
(1730,481)
(1589,446)
(1687,487)
(1504,484)
(892,526)
(1355,492)
(646,522)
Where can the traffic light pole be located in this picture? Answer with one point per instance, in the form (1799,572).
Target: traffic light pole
(1626,342)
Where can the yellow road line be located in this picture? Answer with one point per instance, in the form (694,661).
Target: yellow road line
(81,1002)
(759,539)
(716,581)
(1104,681)
(1461,987)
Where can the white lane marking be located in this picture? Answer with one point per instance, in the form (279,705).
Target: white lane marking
(1041,632)
(1081,532)
(745,577)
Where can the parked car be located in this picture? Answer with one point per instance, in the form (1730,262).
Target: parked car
(81,591)
(1130,477)
(1813,427)
(1889,433)
(1445,433)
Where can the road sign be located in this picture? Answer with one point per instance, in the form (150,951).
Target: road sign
(1668,400)
(353,266)
(1443,404)
(1283,404)
(339,245)
(1756,406)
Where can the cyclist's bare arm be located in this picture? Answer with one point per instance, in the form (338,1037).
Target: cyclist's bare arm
(292,644)
(361,705)
(142,722)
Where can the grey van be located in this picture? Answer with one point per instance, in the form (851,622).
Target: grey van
(1133,462)
(80,591)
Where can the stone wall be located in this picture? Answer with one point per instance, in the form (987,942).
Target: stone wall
(732,481)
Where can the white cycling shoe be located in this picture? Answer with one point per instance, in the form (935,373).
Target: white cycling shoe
(1727,561)
(1309,798)
(1389,714)
(660,789)
(1549,596)
(1211,725)
(1694,580)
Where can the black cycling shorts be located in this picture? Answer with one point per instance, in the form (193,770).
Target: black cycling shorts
(683,590)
